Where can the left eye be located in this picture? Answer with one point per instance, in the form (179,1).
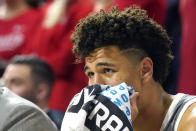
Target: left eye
(106,70)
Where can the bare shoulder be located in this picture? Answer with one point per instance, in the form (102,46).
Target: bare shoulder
(187,123)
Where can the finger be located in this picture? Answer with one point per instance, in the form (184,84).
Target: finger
(134,108)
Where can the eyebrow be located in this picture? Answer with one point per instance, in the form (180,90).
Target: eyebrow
(99,64)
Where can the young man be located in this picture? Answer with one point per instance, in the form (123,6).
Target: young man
(130,47)
(32,78)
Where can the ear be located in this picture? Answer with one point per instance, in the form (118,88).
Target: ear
(42,92)
(146,69)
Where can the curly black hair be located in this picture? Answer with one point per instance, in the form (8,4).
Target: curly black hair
(131,28)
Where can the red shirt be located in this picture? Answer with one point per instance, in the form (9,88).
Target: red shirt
(187,78)
(15,33)
(74,78)
(156,8)
(54,45)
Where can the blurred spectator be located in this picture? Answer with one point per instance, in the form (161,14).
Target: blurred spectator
(45,31)
(18,114)
(187,82)
(156,8)
(173,27)
(54,46)
(18,22)
(32,78)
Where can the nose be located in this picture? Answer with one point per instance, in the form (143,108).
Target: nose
(97,79)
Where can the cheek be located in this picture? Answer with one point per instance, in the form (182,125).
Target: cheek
(116,80)
(19,90)
(23,88)
(129,79)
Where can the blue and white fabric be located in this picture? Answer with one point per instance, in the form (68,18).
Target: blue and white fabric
(100,108)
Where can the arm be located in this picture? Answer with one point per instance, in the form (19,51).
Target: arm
(54,13)
(187,123)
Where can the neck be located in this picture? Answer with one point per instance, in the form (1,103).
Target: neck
(11,9)
(153,113)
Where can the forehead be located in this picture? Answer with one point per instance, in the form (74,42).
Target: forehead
(17,70)
(109,52)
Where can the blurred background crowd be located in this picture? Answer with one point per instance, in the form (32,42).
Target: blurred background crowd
(36,59)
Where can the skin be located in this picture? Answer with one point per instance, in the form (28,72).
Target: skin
(18,78)
(101,4)
(107,65)
(188,120)
(12,8)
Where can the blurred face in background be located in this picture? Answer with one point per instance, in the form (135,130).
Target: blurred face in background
(18,79)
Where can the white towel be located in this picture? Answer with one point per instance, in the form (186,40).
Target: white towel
(100,108)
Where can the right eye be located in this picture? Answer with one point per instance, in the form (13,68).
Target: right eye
(90,74)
